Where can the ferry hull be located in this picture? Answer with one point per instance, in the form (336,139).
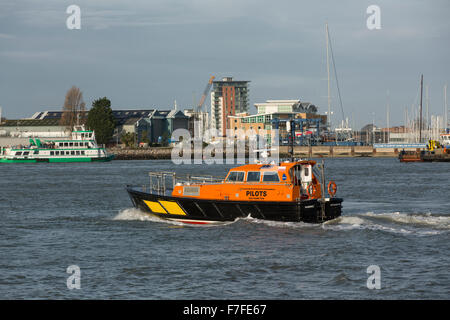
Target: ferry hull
(56,160)
(201,211)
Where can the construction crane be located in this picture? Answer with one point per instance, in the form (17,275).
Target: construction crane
(199,118)
(202,99)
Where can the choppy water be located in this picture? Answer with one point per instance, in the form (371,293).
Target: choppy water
(396,216)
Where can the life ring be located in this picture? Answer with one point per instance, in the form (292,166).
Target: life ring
(332,188)
(311,189)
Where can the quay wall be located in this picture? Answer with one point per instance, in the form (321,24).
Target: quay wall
(299,151)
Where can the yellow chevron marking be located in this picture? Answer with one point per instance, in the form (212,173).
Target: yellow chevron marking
(155,206)
(172,207)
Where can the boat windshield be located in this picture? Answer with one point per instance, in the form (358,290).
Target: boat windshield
(236,176)
(253,176)
(271,176)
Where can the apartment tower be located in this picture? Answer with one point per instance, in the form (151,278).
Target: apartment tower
(228,98)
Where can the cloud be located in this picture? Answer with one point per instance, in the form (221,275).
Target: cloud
(29,54)
(7,36)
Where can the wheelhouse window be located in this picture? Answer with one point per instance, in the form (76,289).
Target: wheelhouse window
(253,176)
(271,176)
(236,176)
(296,174)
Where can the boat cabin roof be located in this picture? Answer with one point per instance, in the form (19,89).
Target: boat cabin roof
(272,167)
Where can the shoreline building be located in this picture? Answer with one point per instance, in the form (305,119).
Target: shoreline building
(278,110)
(201,116)
(155,125)
(228,98)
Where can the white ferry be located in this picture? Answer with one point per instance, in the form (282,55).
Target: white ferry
(81,147)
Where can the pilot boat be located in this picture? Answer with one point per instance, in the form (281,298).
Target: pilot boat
(80,147)
(290,191)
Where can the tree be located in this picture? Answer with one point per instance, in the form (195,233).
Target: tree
(101,120)
(165,139)
(144,137)
(128,139)
(74,108)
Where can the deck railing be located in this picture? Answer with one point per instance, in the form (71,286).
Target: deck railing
(163,181)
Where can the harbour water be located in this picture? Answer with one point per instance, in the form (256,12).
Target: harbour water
(396,216)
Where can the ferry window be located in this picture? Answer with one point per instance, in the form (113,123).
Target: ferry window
(26,153)
(66,144)
(270,176)
(56,153)
(19,153)
(82,152)
(52,153)
(253,176)
(72,153)
(71,144)
(78,153)
(236,176)
(76,144)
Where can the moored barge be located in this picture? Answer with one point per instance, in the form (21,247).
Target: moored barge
(435,152)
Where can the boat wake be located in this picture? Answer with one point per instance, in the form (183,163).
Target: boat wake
(279,224)
(133,214)
(395,222)
(138,215)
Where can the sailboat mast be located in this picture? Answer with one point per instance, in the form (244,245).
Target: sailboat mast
(445,109)
(387,120)
(420,119)
(328,73)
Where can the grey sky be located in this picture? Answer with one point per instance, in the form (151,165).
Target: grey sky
(146,54)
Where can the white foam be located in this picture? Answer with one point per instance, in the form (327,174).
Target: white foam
(399,223)
(395,222)
(418,220)
(138,215)
(279,224)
